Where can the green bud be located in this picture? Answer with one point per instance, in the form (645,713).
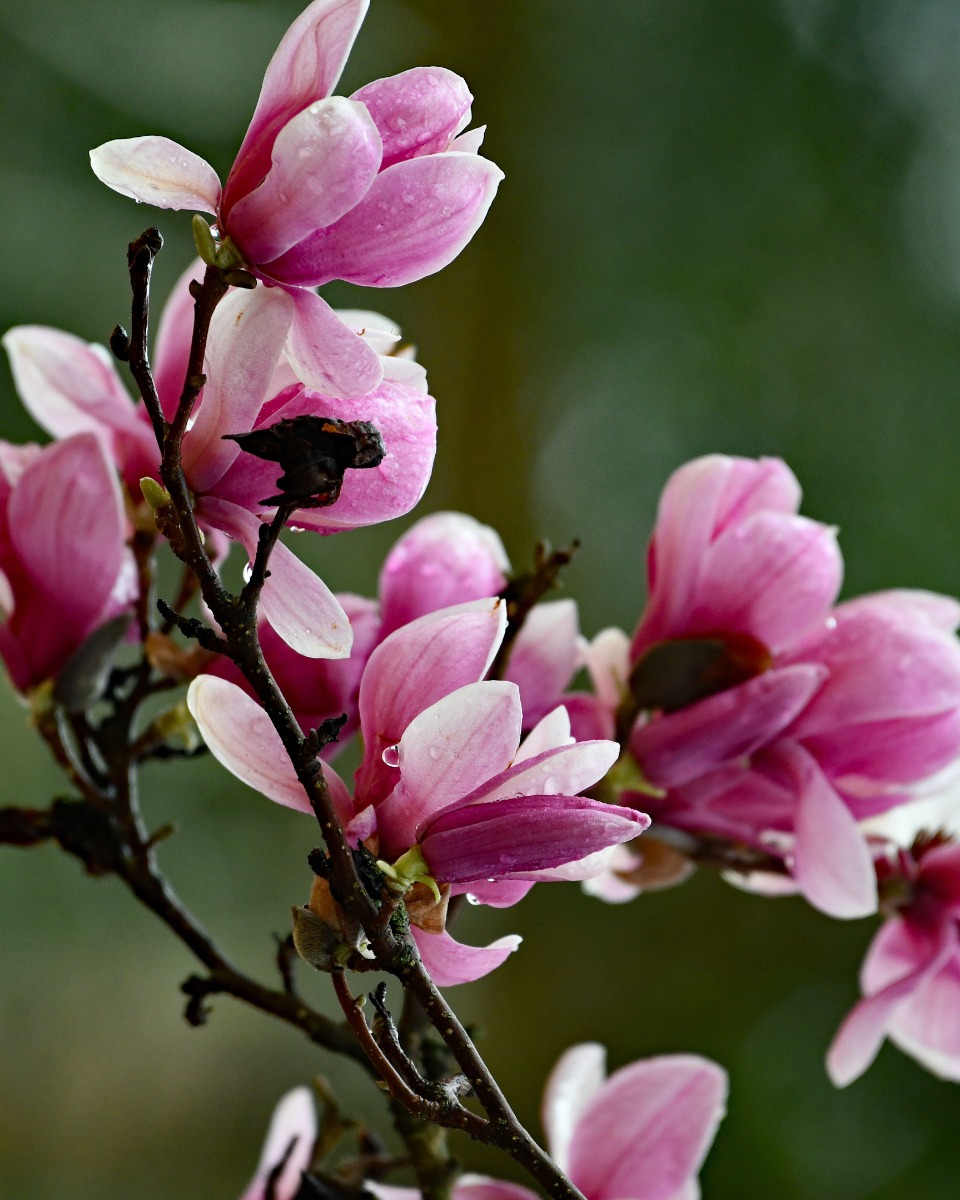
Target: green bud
(204,241)
(154,494)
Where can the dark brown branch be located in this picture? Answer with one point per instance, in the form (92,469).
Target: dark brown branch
(140,255)
(237,618)
(450,1114)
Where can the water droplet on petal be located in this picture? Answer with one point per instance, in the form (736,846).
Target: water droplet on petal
(247,572)
(472,899)
(391,755)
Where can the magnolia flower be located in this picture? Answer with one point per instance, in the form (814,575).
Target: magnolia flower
(65,569)
(288,1149)
(911,976)
(377,189)
(243,352)
(768,716)
(642,1134)
(69,386)
(444,559)
(446,793)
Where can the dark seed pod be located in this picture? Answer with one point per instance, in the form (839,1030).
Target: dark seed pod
(314,453)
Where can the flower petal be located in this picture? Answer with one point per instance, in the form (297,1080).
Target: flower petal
(544,656)
(69,386)
(294,1121)
(305,67)
(571,1085)
(406,421)
(67,526)
(773,576)
(446,752)
(326,353)
(550,733)
(450,962)
(417,112)
(501,893)
(242,738)
(700,501)
(678,747)
(322,162)
(925,1025)
(296,602)
(832,863)
(561,770)
(862,1032)
(246,337)
(417,217)
(646,1131)
(415,667)
(155,170)
(444,559)
(520,836)
(174,335)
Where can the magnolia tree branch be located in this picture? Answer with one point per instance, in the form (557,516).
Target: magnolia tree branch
(236,616)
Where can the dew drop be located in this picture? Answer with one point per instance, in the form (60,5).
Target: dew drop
(472,899)
(247,572)
(391,755)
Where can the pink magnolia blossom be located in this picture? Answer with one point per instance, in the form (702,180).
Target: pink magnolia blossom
(243,352)
(377,189)
(769,715)
(641,1134)
(65,569)
(69,386)
(289,1146)
(911,976)
(444,559)
(445,773)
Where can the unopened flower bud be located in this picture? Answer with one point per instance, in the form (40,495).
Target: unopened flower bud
(204,241)
(154,493)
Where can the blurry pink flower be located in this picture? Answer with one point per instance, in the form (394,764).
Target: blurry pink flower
(65,569)
(444,559)
(642,1134)
(448,558)
(444,771)
(288,1146)
(911,976)
(771,717)
(377,189)
(70,386)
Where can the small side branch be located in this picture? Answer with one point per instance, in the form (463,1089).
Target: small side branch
(523,592)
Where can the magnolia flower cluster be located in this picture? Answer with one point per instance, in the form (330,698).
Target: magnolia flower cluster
(749,710)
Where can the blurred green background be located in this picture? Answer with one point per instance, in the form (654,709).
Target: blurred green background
(725,226)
